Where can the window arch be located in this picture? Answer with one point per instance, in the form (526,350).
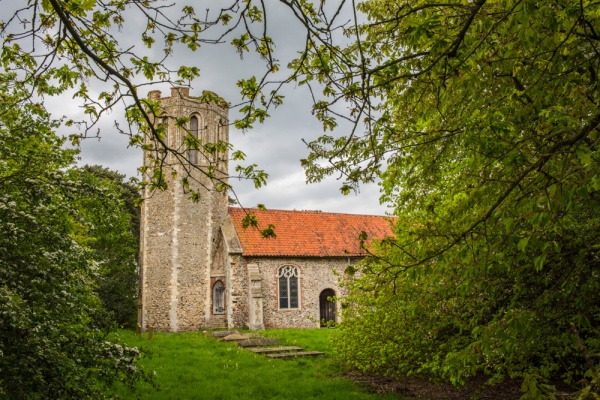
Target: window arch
(288,287)
(193,153)
(164,123)
(219,297)
(221,157)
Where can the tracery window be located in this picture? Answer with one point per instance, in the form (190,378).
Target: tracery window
(194,132)
(288,287)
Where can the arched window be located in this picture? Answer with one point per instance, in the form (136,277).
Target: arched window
(218,298)
(221,157)
(164,123)
(288,287)
(194,132)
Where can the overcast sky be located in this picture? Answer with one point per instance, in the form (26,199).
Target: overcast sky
(276,145)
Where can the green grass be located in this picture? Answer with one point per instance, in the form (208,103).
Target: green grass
(194,366)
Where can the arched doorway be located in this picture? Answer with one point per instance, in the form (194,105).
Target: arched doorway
(326,307)
(218,298)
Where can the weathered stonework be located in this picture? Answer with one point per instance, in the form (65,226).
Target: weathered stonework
(316,275)
(179,236)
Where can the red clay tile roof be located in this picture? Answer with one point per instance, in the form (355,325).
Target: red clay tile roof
(308,233)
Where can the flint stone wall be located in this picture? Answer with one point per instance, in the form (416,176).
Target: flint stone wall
(179,236)
(315,275)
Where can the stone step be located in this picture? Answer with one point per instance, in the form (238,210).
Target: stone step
(296,354)
(237,337)
(264,350)
(216,323)
(222,334)
(258,342)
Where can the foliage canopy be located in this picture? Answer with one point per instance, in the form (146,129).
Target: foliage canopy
(52,325)
(111,232)
(79,47)
(482,122)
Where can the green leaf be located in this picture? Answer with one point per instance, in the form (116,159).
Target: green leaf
(584,155)
(522,245)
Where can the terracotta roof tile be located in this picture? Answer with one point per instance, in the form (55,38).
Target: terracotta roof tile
(308,233)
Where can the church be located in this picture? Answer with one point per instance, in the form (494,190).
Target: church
(200,268)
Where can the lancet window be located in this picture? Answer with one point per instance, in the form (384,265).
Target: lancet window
(193,154)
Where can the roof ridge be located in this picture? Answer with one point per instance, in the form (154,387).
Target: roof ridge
(311,212)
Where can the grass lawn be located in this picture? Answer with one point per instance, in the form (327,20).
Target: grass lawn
(194,366)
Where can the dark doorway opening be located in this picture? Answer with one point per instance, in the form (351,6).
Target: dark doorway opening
(327,308)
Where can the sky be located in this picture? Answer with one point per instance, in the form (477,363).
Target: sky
(276,145)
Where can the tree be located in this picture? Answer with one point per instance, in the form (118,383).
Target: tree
(58,45)
(111,230)
(481,119)
(51,342)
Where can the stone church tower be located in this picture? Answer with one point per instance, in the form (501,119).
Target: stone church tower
(180,266)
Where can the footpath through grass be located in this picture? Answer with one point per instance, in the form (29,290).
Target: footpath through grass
(194,366)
